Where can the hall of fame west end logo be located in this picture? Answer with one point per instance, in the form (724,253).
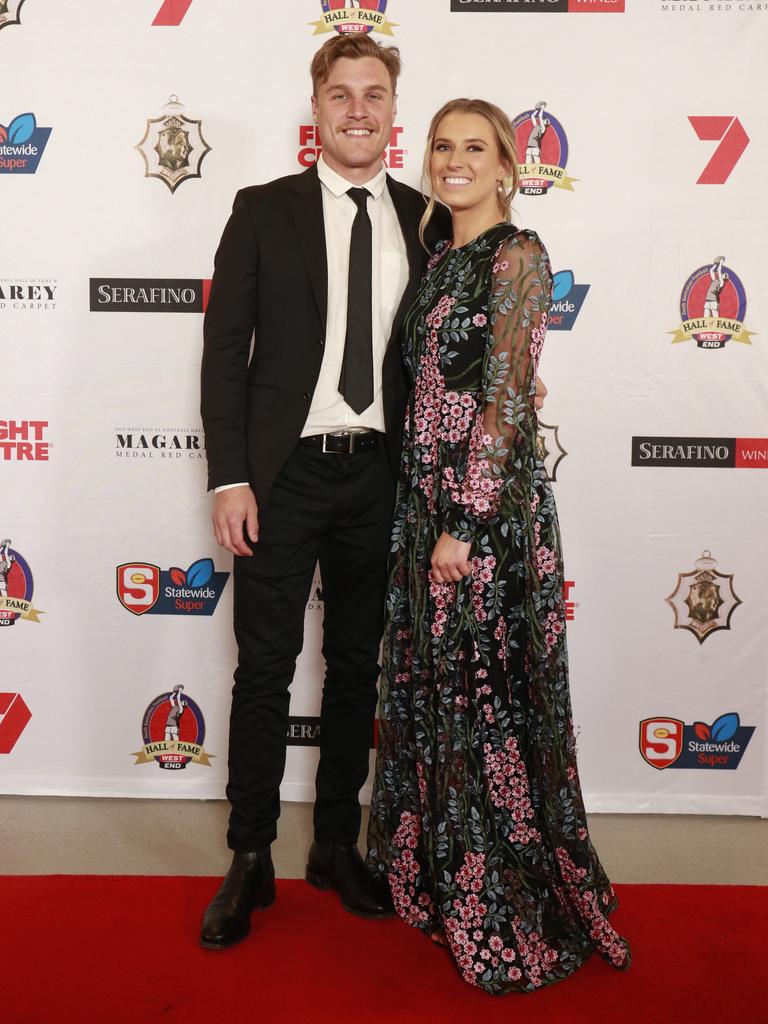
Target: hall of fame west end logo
(542,142)
(353,16)
(173,146)
(713,305)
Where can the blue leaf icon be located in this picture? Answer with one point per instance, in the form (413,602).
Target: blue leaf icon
(21,129)
(562,284)
(725,727)
(200,572)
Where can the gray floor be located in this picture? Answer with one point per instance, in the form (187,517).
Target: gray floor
(57,835)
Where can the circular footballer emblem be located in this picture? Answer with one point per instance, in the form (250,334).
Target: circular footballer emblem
(713,294)
(173,717)
(16,582)
(541,141)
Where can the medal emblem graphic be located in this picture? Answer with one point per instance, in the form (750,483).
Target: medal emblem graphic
(549,450)
(10,12)
(541,139)
(173,146)
(713,305)
(704,599)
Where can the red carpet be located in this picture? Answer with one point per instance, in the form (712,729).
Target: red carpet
(102,950)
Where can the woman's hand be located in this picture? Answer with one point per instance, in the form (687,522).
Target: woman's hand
(450,559)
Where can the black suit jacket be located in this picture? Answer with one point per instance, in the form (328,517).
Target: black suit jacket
(270,285)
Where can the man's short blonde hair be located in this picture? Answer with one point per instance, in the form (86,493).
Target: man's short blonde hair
(353,46)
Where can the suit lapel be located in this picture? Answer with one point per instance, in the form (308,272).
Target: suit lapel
(306,204)
(409,225)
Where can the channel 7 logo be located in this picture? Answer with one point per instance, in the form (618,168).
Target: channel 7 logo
(172,12)
(733,139)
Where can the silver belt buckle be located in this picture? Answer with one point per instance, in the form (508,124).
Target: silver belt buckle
(325,450)
(351,443)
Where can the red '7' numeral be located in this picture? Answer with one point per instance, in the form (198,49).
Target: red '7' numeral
(172,12)
(729,132)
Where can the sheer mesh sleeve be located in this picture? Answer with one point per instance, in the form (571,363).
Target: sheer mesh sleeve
(504,430)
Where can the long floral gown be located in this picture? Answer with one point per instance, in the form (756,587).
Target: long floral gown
(477,818)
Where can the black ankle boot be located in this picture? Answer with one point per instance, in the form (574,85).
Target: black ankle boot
(249,886)
(342,868)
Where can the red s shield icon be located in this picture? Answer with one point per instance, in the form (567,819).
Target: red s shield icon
(138,586)
(661,741)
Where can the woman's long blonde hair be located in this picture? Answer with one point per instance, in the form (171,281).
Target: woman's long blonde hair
(505,138)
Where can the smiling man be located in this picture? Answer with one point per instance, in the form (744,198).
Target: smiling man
(303,435)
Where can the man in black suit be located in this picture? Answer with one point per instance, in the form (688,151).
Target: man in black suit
(303,435)
(303,439)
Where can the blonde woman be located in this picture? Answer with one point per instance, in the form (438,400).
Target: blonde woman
(477,818)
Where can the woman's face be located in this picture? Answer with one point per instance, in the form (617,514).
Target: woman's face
(465,164)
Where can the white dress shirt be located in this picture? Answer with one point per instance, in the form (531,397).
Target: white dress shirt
(328,412)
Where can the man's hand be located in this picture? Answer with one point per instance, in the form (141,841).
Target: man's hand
(231,509)
(450,559)
(541,394)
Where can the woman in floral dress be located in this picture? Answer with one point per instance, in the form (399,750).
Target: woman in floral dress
(477,819)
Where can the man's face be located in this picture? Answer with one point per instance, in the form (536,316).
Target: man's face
(355,110)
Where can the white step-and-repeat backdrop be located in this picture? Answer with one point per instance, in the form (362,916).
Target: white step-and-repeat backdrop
(125,130)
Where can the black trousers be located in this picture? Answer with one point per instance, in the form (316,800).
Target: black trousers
(335,509)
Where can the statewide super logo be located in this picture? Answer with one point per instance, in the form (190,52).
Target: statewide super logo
(713,305)
(10,11)
(567,300)
(549,450)
(173,732)
(22,144)
(311,146)
(541,139)
(145,589)
(354,16)
(173,146)
(704,599)
(670,743)
(16,587)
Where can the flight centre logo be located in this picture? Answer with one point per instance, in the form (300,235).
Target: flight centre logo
(24,441)
(145,589)
(670,743)
(540,6)
(311,146)
(549,450)
(16,587)
(173,146)
(22,144)
(567,300)
(173,733)
(149,295)
(10,12)
(704,599)
(541,139)
(345,16)
(713,305)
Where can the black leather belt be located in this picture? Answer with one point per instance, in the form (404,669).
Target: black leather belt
(346,442)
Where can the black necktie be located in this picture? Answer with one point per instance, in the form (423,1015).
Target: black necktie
(356,381)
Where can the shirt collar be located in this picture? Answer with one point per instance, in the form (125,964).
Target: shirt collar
(339,186)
